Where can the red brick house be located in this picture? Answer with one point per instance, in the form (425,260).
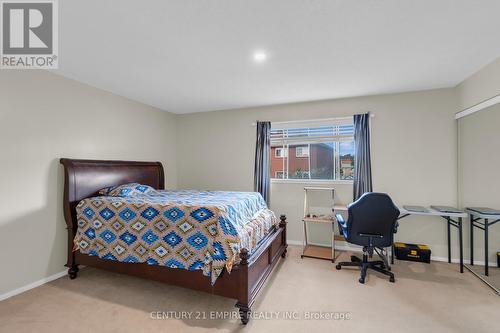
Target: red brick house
(316,159)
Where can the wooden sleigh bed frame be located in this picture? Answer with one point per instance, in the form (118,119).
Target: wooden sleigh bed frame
(84,178)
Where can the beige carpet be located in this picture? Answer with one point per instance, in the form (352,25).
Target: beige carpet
(425,298)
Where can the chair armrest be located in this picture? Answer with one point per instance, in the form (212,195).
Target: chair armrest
(342,225)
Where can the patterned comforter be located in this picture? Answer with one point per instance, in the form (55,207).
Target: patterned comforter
(179,229)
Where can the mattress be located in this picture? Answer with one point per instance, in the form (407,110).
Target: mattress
(193,230)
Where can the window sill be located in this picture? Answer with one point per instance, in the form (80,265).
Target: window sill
(311,181)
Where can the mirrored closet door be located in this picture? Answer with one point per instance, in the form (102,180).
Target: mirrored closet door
(479,189)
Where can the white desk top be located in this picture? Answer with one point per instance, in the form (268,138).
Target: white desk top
(431,212)
(483,216)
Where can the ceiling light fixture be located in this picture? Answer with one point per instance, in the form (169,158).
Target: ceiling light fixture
(259,56)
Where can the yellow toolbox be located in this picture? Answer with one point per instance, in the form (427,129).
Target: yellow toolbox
(412,252)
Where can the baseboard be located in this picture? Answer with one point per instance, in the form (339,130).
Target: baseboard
(350,247)
(466,261)
(31,285)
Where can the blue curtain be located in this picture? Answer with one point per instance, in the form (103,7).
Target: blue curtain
(262,179)
(362,158)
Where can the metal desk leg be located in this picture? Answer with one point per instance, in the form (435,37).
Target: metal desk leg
(449,238)
(486,247)
(392,254)
(460,236)
(471,219)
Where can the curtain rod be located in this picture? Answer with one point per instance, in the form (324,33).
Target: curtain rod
(313,120)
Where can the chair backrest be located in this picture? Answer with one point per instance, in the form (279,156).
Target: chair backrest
(372,213)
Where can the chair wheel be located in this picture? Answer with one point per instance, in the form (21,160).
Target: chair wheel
(362,281)
(338,267)
(392,279)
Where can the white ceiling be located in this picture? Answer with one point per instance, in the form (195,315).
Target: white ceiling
(196,55)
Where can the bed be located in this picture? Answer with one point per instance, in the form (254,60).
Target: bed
(239,276)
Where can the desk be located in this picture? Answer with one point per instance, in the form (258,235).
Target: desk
(452,219)
(489,217)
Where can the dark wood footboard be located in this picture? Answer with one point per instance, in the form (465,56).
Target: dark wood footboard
(256,269)
(83,178)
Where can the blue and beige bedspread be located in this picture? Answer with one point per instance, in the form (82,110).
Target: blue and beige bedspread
(190,230)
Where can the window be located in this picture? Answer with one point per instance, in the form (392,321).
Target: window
(280,152)
(279,175)
(316,150)
(302,151)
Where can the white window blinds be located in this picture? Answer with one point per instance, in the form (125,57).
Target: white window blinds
(314,132)
(313,150)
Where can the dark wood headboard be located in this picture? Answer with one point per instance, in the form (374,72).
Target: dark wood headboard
(84,178)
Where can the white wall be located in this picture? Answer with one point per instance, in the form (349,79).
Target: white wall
(481,86)
(44,117)
(413,150)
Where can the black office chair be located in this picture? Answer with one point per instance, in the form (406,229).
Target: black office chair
(371,224)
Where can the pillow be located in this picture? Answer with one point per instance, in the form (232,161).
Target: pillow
(126,190)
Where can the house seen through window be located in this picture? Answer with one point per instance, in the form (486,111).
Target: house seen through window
(320,151)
